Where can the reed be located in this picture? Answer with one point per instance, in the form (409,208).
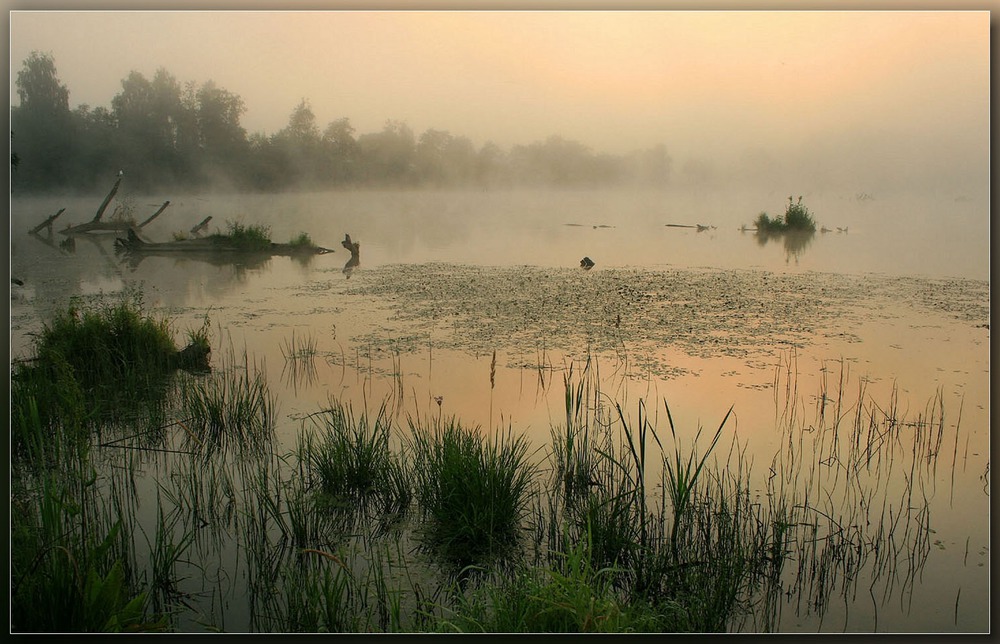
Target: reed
(351,461)
(472,490)
(575,596)
(231,409)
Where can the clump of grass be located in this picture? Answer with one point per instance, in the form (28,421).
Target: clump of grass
(230,409)
(572,597)
(299,348)
(97,361)
(796,218)
(302,240)
(254,237)
(472,490)
(353,462)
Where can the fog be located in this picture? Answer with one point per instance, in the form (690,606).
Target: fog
(850,100)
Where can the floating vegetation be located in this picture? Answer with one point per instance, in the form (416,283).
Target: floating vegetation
(745,314)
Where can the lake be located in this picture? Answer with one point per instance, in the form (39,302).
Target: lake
(474,304)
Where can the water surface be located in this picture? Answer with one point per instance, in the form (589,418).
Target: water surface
(894,299)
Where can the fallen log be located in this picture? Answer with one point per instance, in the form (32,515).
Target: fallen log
(107,199)
(200,228)
(215,243)
(47,223)
(97,226)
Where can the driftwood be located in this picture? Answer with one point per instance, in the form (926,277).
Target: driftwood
(355,249)
(200,228)
(47,223)
(215,244)
(699,227)
(97,226)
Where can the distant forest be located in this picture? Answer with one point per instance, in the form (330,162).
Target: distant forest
(167,136)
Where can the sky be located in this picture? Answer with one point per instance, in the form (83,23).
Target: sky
(861,87)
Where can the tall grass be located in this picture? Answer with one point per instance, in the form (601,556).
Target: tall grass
(230,409)
(352,461)
(472,490)
(253,237)
(68,563)
(797,218)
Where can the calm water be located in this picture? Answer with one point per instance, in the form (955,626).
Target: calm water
(899,299)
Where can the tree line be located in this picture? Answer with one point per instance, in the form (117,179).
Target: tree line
(171,136)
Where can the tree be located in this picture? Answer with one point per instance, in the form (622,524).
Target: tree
(223,140)
(39,89)
(299,142)
(42,124)
(341,152)
(388,155)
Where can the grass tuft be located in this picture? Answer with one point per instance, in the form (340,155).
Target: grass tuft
(472,490)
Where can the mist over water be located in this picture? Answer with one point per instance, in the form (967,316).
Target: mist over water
(939,235)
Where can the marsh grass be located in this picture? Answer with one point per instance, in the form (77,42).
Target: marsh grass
(69,562)
(472,490)
(93,365)
(351,460)
(231,409)
(631,533)
(302,240)
(253,237)
(797,218)
(573,596)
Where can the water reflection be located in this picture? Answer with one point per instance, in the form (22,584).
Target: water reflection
(794,241)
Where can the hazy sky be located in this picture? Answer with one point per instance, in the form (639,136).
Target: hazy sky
(702,82)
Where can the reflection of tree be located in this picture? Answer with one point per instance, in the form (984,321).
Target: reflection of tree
(794,241)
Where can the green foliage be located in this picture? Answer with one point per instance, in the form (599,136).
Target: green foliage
(473,490)
(797,218)
(91,362)
(233,409)
(302,240)
(570,597)
(65,575)
(354,463)
(255,237)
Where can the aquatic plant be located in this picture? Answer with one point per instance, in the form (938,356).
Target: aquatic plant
(302,240)
(67,568)
(232,408)
(473,490)
(95,362)
(572,596)
(253,237)
(796,218)
(352,460)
